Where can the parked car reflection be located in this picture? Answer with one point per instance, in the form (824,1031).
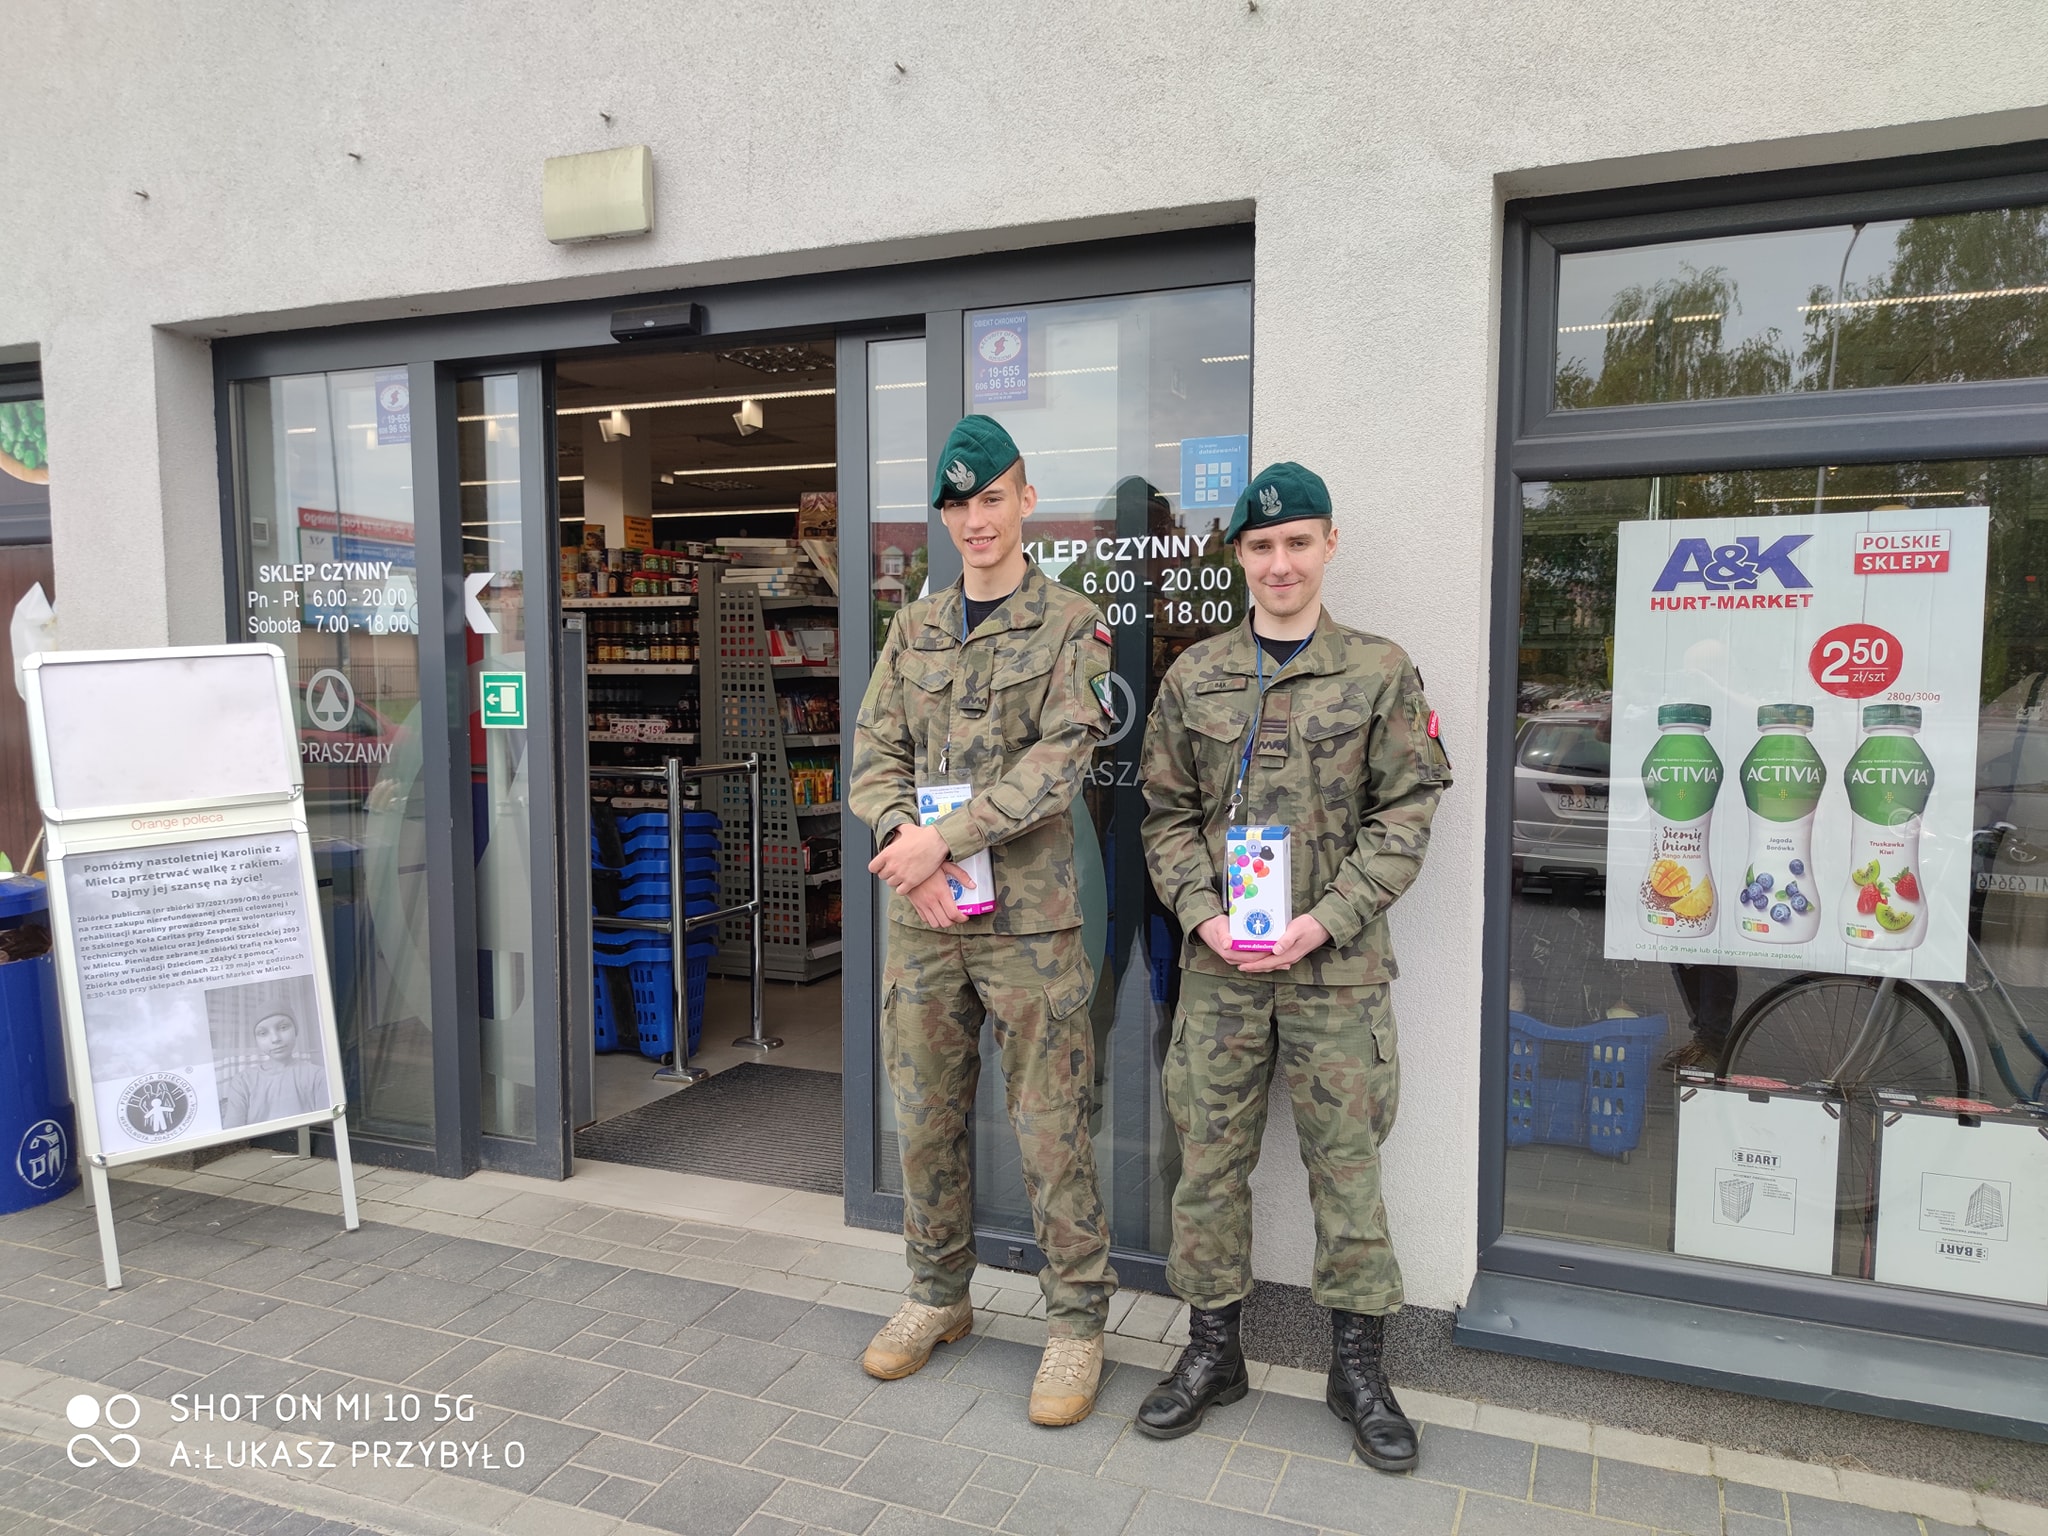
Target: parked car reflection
(1561,774)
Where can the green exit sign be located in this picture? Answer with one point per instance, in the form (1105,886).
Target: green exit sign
(504,701)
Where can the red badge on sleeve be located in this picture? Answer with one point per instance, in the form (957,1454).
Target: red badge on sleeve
(1432,723)
(1102,632)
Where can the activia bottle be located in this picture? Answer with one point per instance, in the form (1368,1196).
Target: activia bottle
(1681,778)
(1781,783)
(1889,780)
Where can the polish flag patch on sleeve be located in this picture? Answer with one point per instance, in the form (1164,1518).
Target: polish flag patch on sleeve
(1102,632)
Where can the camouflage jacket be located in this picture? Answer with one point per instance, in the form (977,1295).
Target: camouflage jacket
(1012,711)
(1358,784)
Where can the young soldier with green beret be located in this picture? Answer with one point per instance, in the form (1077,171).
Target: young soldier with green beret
(995,682)
(1292,720)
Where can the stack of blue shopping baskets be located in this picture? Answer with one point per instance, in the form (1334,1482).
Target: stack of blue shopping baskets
(635,971)
(1586,1086)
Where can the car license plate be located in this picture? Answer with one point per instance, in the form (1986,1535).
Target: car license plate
(1584,801)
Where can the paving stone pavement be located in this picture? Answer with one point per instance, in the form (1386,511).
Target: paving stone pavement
(294,1379)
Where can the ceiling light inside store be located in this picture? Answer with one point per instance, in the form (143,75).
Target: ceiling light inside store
(758,469)
(1773,501)
(1625,325)
(299,431)
(1230,357)
(748,417)
(671,405)
(668,479)
(615,426)
(1960,297)
(565,479)
(733,512)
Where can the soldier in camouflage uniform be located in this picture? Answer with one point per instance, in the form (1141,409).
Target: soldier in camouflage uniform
(997,681)
(1292,720)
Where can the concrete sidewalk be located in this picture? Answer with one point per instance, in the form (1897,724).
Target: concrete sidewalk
(490,1355)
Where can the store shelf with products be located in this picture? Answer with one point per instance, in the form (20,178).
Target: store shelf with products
(600,604)
(646,681)
(777,604)
(763,706)
(824,876)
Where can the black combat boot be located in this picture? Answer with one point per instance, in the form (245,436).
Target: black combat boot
(1209,1374)
(1359,1395)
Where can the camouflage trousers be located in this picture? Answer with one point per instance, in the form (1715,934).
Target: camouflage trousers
(1034,988)
(1335,1049)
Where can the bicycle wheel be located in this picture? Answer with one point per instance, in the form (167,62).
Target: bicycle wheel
(1802,1031)
(1811,1029)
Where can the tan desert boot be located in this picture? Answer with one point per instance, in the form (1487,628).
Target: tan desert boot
(1064,1392)
(907,1339)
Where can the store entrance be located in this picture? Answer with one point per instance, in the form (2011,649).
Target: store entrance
(698,528)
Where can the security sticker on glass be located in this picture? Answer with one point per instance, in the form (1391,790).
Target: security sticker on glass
(936,800)
(1261,886)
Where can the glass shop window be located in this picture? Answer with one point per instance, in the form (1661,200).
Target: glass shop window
(1779,924)
(1934,300)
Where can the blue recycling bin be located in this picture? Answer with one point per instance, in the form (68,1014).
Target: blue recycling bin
(38,1133)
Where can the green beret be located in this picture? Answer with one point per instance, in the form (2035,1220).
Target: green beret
(978,451)
(1279,493)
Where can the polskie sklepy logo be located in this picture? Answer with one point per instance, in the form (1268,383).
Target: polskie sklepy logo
(1731,576)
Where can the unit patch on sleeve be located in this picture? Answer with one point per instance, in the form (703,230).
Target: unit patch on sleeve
(1104,697)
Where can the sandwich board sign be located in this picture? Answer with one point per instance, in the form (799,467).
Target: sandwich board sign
(191,970)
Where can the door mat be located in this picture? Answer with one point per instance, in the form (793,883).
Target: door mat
(766,1125)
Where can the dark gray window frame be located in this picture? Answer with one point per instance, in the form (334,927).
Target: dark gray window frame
(855,305)
(20,525)
(1539,443)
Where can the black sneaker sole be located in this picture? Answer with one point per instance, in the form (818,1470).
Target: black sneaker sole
(1370,1457)
(1235,1393)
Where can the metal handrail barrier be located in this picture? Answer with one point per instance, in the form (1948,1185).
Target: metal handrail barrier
(679,925)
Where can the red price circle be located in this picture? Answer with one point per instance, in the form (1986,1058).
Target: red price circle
(1854,661)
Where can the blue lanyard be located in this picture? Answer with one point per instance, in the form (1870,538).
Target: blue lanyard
(1244,762)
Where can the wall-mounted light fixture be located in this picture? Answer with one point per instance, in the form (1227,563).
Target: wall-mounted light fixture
(603,195)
